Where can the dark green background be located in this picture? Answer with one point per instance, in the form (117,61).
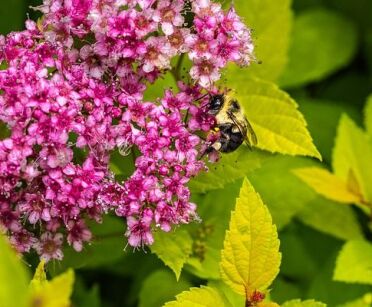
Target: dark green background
(308,255)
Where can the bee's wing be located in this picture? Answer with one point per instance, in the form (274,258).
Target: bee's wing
(251,133)
(250,137)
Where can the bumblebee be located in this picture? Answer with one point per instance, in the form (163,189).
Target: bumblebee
(233,126)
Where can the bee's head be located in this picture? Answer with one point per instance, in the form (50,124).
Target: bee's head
(215,104)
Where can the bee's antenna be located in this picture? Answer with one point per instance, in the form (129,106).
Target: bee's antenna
(201,97)
(205,104)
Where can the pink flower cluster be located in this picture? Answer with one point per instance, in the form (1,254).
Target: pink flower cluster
(71,93)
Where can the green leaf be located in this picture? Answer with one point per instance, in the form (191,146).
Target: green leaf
(273,188)
(214,209)
(323,117)
(85,297)
(323,42)
(324,289)
(13,277)
(328,185)
(230,167)
(299,303)
(90,298)
(352,157)
(263,17)
(136,267)
(297,263)
(360,13)
(284,289)
(365,301)
(168,290)
(122,166)
(274,116)
(354,263)
(156,90)
(203,296)
(250,259)
(351,87)
(105,248)
(4,131)
(12,16)
(367,49)
(368,115)
(299,6)
(173,248)
(331,218)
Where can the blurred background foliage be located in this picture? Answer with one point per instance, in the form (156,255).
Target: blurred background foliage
(328,72)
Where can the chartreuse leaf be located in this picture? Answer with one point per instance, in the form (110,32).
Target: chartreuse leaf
(229,168)
(299,303)
(368,115)
(274,116)
(168,290)
(39,278)
(53,293)
(13,277)
(203,296)
(234,298)
(352,158)
(327,184)
(267,304)
(250,258)
(331,218)
(263,17)
(354,263)
(173,248)
(322,42)
(365,301)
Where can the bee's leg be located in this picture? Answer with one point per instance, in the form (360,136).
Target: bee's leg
(217,145)
(224,140)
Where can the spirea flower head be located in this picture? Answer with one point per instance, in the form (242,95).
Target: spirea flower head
(72,89)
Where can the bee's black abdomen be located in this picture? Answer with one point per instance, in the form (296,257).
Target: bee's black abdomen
(230,140)
(232,144)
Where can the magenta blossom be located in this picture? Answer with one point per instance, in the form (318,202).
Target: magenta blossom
(72,93)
